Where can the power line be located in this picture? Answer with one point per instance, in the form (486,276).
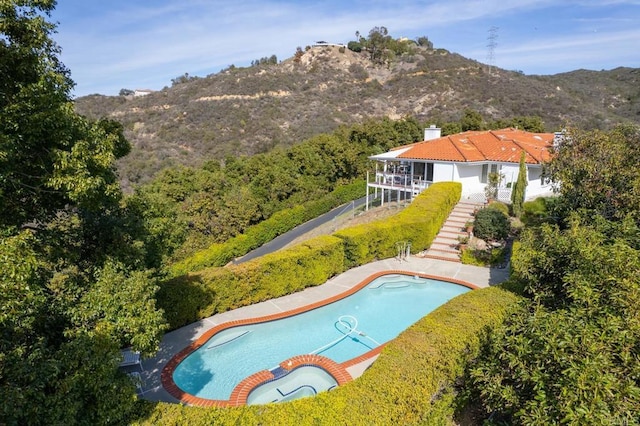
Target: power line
(492,42)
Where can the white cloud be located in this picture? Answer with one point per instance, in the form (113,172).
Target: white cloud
(145,44)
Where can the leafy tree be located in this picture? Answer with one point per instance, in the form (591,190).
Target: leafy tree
(190,208)
(519,188)
(73,284)
(471,120)
(570,353)
(126,92)
(354,46)
(527,123)
(424,42)
(450,128)
(184,78)
(597,171)
(377,43)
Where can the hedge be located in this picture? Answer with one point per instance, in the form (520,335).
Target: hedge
(257,235)
(194,296)
(410,383)
(197,295)
(418,224)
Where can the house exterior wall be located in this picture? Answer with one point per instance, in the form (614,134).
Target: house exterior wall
(535,187)
(469,175)
(412,178)
(443,172)
(510,173)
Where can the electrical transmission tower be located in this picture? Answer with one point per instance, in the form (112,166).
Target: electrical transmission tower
(492,42)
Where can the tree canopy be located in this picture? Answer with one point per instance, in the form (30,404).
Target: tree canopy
(570,353)
(597,171)
(73,284)
(380,46)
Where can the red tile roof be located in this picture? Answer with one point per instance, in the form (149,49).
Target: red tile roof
(502,146)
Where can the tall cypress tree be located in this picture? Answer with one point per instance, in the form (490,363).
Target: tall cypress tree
(518,192)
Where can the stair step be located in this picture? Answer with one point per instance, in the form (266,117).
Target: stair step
(460,215)
(449,259)
(450,245)
(452,235)
(445,244)
(443,251)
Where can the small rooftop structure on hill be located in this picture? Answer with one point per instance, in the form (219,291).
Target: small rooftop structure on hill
(323,43)
(142,92)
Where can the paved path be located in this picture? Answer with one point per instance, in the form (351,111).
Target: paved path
(283,240)
(176,340)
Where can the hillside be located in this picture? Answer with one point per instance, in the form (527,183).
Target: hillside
(243,111)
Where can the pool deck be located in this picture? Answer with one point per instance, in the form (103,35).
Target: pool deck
(176,340)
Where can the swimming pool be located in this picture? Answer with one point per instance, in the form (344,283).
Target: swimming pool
(350,328)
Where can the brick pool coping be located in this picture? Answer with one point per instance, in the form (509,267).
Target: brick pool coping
(241,391)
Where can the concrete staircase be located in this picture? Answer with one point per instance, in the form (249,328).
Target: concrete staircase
(445,245)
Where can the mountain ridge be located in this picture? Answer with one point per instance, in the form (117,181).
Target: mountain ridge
(244,111)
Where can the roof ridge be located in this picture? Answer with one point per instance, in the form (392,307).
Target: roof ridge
(519,144)
(477,148)
(456,148)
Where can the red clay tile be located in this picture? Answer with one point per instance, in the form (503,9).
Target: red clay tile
(503,146)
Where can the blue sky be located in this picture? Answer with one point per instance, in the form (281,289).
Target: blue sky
(143,44)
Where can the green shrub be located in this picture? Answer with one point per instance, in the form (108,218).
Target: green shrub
(537,211)
(257,235)
(491,225)
(418,224)
(354,46)
(570,351)
(410,383)
(501,207)
(194,296)
(491,257)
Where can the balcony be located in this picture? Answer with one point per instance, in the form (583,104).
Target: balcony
(399,181)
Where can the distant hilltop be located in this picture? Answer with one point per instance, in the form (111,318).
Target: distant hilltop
(248,110)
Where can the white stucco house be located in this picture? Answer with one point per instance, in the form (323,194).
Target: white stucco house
(467,158)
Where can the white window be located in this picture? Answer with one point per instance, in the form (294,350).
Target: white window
(486,169)
(429,172)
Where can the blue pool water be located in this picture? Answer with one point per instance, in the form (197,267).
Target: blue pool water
(341,331)
(301,382)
